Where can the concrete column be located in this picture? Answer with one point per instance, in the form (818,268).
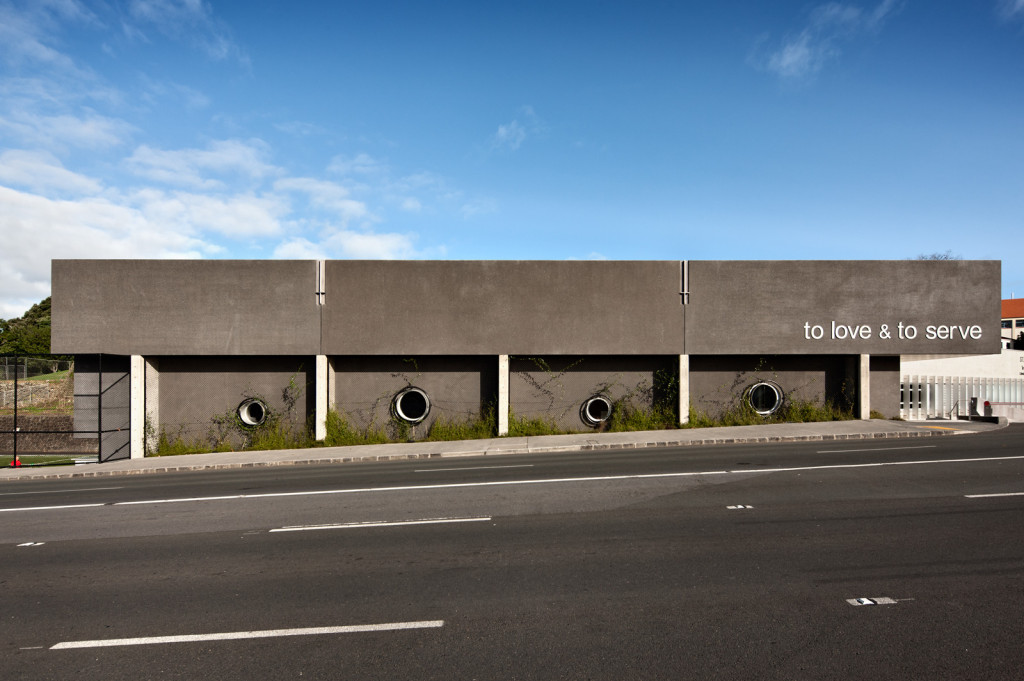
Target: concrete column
(152,404)
(322,381)
(684,389)
(503,404)
(864,388)
(137,407)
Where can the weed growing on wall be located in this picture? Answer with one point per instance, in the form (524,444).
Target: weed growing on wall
(227,431)
(796,411)
(521,426)
(340,433)
(167,444)
(627,417)
(663,413)
(445,429)
(551,387)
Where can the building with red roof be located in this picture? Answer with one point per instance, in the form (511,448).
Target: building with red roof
(1012,319)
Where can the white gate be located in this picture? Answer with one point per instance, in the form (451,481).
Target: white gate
(929,397)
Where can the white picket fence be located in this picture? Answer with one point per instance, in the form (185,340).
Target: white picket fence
(924,397)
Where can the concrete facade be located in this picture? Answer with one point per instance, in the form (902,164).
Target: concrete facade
(502,307)
(779,304)
(186,307)
(194,398)
(530,338)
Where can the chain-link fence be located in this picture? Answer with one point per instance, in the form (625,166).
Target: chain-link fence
(37,413)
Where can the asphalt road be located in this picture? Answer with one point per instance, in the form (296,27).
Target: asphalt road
(610,565)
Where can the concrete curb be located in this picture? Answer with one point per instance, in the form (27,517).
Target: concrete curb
(184,466)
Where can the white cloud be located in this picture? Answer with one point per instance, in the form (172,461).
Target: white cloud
(1010,9)
(190,20)
(188,98)
(28,127)
(511,136)
(326,195)
(350,244)
(798,57)
(300,128)
(805,53)
(43,173)
(26,34)
(471,209)
(187,167)
(300,249)
(245,216)
(89,131)
(360,164)
(37,229)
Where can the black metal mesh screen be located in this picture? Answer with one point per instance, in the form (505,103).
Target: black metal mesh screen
(37,411)
(103,380)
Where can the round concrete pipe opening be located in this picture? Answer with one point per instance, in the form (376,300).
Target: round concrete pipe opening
(596,410)
(411,405)
(764,398)
(252,412)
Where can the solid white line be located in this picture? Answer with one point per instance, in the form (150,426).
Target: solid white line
(471,468)
(48,508)
(883,464)
(380,523)
(236,635)
(408,488)
(988,496)
(546,481)
(174,501)
(59,491)
(879,449)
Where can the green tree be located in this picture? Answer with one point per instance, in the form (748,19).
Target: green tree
(948,255)
(28,334)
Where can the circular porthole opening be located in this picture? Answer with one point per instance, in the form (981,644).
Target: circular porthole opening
(596,410)
(411,405)
(764,398)
(252,412)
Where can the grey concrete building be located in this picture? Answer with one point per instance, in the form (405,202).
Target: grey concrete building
(414,341)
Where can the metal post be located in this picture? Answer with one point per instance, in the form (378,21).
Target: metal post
(14,435)
(99,410)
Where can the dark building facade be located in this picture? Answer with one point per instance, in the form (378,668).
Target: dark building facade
(563,341)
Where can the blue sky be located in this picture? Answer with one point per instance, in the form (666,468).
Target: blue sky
(550,130)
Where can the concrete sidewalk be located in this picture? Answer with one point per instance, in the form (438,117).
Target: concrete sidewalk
(781,432)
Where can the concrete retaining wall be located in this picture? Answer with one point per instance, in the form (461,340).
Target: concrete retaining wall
(30,440)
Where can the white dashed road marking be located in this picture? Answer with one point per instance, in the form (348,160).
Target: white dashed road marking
(375,523)
(237,635)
